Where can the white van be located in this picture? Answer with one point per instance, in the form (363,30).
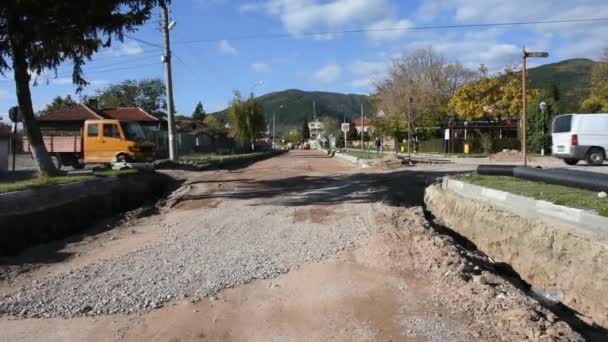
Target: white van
(580,136)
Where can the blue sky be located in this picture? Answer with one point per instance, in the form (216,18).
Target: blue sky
(209,71)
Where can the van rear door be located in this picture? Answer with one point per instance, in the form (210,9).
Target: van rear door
(561,134)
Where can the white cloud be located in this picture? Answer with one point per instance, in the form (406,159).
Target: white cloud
(227,49)
(365,83)
(260,67)
(389,29)
(360,67)
(329,73)
(305,16)
(129,48)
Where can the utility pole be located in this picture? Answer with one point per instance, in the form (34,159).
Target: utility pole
(524,116)
(362,127)
(169,80)
(409,128)
(274,131)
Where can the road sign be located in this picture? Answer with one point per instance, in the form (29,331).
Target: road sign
(447,134)
(381,114)
(345,127)
(536,54)
(15,114)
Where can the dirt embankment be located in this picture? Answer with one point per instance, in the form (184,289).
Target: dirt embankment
(545,256)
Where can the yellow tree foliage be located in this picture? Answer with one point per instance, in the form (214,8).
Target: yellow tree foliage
(476,100)
(500,95)
(598,99)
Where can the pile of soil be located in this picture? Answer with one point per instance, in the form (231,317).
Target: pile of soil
(508,156)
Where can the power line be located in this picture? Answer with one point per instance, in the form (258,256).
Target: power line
(437,27)
(143,41)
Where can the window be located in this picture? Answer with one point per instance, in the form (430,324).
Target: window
(93,130)
(562,124)
(111,131)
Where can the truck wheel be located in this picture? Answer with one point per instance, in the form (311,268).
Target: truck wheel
(56,161)
(571,161)
(121,158)
(595,157)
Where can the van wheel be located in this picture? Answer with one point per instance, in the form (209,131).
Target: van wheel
(595,157)
(56,161)
(571,161)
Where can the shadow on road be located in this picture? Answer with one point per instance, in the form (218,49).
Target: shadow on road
(353,188)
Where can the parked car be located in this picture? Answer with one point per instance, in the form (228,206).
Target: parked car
(579,137)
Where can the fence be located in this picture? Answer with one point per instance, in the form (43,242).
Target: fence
(185,143)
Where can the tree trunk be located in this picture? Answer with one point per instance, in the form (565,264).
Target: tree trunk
(24,99)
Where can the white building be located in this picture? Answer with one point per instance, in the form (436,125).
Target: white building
(316,128)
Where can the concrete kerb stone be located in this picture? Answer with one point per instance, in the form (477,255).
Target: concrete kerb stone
(530,208)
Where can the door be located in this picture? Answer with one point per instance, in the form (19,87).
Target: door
(92,143)
(562,126)
(111,141)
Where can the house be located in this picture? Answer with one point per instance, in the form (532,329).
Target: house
(70,120)
(316,128)
(202,141)
(364,125)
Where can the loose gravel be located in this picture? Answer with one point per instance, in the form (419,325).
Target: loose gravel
(202,254)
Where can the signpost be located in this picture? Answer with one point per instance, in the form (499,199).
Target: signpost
(381,115)
(345,129)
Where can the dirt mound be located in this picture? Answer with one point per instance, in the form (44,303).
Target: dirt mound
(509,156)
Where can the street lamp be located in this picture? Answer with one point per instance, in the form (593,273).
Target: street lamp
(543,109)
(524,119)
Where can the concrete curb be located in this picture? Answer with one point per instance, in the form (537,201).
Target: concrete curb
(528,207)
(363,163)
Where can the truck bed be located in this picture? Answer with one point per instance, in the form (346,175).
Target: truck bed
(58,144)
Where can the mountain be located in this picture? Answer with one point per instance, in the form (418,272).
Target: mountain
(572,78)
(298,106)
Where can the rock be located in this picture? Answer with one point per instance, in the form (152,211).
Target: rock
(602,195)
(480,279)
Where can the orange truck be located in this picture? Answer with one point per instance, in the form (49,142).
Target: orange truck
(101,142)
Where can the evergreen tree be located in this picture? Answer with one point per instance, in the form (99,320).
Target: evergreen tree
(199,112)
(305,131)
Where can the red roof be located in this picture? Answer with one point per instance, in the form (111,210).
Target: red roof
(82,112)
(129,114)
(366,122)
(79,112)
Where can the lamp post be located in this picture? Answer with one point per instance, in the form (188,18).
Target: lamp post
(543,109)
(524,118)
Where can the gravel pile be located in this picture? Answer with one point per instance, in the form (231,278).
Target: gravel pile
(202,254)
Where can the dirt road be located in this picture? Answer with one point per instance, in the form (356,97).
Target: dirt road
(300,247)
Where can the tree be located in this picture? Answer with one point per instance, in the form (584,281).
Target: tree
(352,134)
(330,126)
(536,124)
(426,77)
(499,95)
(40,35)
(247,119)
(57,104)
(215,126)
(199,112)
(305,131)
(598,98)
(148,94)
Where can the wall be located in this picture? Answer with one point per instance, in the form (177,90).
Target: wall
(42,214)
(544,254)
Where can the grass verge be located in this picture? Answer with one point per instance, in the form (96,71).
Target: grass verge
(557,194)
(37,182)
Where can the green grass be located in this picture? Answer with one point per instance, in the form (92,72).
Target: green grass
(557,194)
(218,158)
(37,182)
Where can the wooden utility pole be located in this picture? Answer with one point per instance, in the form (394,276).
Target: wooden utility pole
(524,116)
(362,126)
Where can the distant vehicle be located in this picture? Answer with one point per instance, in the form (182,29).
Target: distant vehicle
(103,141)
(579,137)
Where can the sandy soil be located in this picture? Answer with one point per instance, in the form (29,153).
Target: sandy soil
(407,282)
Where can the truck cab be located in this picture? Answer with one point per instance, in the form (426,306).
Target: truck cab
(105,141)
